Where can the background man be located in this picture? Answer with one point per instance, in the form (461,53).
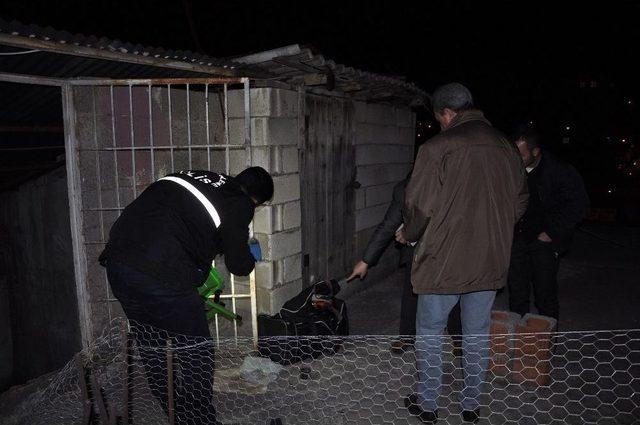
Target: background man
(466,193)
(557,203)
(160,250)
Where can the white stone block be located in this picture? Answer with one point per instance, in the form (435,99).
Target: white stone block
(289,159)
(292,268)
(286,188)
(280,245)
(291,215)
(271,301)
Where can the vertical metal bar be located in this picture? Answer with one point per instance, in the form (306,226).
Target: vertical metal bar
(152,150)
(206,105)
(133,152)
(170,400)
(247,121)
(115,153)
(127,373)
(74,186)
(189,126)
(233,304)
(173,169)
(226,129)
(254,308)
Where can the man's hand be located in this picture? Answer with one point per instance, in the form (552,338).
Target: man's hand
(400,237)
(544,237)
(359,270)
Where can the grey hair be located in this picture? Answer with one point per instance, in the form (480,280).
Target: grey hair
(454,96)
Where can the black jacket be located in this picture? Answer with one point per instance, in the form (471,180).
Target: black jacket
(386,230)
(169,233)
(558,202)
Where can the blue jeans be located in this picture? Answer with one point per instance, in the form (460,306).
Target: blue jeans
(431,319)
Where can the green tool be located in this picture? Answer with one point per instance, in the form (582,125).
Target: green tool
(210,291)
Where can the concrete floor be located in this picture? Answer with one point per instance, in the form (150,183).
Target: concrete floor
(599,287)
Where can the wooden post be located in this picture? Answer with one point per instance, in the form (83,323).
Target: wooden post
(170,400)
(126,342)
(82,382)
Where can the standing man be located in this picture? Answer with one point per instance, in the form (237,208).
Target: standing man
(160,250)
(557,203)
(386,232)
(466,193)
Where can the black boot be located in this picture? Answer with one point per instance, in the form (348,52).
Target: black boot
(426,416)
(471,416)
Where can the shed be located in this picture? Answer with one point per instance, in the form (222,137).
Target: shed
(86,124)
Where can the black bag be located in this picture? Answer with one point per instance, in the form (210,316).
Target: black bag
(310,317)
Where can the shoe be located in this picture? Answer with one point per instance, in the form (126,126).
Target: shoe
(471,416)
(426,416)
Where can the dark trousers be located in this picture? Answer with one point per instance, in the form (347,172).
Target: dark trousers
(409,307)
(177,317)
(536,264)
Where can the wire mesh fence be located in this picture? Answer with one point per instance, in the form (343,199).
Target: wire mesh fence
(138,374)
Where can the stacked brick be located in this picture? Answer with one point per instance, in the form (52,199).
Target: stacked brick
(521,348)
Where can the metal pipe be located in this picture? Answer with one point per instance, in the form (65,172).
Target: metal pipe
(31,79)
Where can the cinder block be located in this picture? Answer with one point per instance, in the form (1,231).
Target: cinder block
(266,276)
(265,102)
(369,217)
(292,268)
(286,188)
(271,301)
(263,219)
(291,215)
(261,156)
(406,136)
(382,194)
(373,175)
(404,117)
(280,245)
(289,162)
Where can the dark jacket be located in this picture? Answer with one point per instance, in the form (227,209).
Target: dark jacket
(466,193)
(168,233)
(558,203)
(386,230)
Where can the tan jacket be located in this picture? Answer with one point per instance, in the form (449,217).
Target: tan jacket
(467,190)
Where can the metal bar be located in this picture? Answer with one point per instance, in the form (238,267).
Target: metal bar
(31,79)
(74,186)
(115,154)
(90,52)
(170,127)
(254,307)
(226,128)
(247,121)
(103,209)
(153,168)
(178,147)
(189,127)
(170,401)
(233,303)
(133,153)
(151,81)
(206,116)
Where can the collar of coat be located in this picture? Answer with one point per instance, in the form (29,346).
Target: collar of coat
(463,117)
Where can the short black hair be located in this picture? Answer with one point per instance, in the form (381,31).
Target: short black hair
(257,183)
(454,96)
(530,136)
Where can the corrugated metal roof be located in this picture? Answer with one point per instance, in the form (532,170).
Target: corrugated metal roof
(302,65)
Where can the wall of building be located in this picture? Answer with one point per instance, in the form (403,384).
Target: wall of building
(37,283)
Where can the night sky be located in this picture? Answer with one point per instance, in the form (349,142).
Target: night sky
(572,69)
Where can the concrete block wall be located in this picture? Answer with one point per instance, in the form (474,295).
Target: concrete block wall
(276,225)
(385,138)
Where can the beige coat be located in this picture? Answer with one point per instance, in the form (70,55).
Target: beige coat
(467,190)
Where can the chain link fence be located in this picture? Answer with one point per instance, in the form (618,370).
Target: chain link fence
(135,374)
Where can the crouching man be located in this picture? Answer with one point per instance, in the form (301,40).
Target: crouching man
(159,251)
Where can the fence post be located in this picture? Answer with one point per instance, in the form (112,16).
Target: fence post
(170,400)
